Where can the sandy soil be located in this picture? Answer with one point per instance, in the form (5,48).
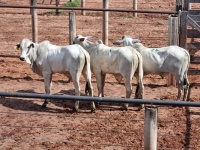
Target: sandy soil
(25,125)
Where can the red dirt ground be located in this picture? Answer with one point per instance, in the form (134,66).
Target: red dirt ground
(25,125)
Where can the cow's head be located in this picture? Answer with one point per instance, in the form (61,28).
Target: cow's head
(127,41)
(79,39)
(26,46)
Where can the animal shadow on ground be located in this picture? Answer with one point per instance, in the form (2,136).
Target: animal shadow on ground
(66,106)
(154,85)
(85,106)
(26,105)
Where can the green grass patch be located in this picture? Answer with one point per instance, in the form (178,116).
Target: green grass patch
(72,4)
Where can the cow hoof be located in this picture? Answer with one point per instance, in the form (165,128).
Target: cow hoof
(44,105)
(141,107)
(93,110)
(75,110)
(97,104)
(124,108)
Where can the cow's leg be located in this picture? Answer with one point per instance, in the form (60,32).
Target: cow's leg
(99,82)
(103,77)
(180,88)
(139,90)
(128,86)
(101,87)
(118,77)
(47,84)
(179,93)
(89,83)
(186,88)
(76,77)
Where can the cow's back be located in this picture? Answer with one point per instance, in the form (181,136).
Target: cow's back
(164,59)
(111,59)
(60,58)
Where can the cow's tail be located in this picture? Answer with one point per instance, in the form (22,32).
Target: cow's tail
(185,78)
(88,86)
(187,68)
(140,87)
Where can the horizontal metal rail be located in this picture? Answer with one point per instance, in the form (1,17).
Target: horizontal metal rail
(101,99)
(90,9)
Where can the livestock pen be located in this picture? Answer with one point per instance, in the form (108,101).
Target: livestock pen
(24,124)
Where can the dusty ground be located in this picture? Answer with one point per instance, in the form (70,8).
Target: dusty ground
(25,125)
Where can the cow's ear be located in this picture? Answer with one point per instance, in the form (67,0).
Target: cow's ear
(136,41)
(82,39)
(17,47)
(31,45)
(89,37)
(118,42)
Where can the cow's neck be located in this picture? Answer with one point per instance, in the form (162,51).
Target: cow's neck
(33,58)
(87,45)
(33,54)
(139,47)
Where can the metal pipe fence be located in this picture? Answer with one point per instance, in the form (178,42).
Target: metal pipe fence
(102,99)
(89,9)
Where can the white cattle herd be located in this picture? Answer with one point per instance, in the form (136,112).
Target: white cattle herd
(84,56)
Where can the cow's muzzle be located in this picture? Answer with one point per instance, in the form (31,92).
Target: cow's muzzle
(22,58)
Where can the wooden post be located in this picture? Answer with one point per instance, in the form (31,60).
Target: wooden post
(105,22)
(72,27)
(135,7)
(31,4)
(183,29)
(150,128)
(173,31)
(178,5)
(57,4)
(34,18)
(173,39)
(186,5)
(83,6)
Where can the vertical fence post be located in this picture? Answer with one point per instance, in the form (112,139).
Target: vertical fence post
(34,18)
(31,4)
(105,22)
(183,29)
(135,3)
(150,128)
(173,39)
(72,27)
(57,4)
(83,6)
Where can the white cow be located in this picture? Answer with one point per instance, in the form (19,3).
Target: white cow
(124,61)
(171,59)
(46,59)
